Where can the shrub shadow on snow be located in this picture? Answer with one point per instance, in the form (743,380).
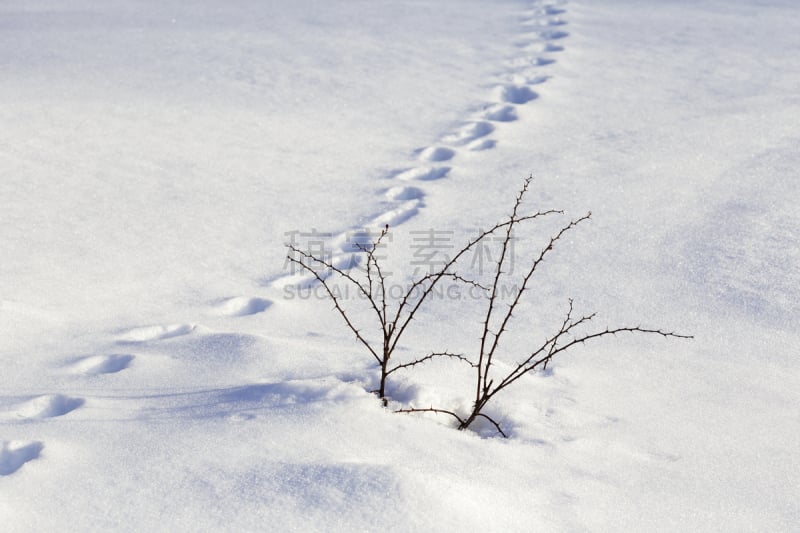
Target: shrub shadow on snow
(402,391)
(245,400)
(286,393)
(399,390)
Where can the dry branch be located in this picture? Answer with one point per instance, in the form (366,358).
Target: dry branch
(395,317)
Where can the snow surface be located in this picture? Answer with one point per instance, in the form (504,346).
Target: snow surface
(159,370)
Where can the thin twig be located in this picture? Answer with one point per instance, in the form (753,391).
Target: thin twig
(525,280)
(402,324)
(483,372)
(581,340)
(428,357)
(339,308)
(431,410)
(496,425)
(331,266)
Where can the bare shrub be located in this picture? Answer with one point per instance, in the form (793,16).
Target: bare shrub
(394,316)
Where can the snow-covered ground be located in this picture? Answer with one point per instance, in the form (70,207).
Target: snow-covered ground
(160,370)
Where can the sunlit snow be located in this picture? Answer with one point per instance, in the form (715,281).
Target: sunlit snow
(164,368)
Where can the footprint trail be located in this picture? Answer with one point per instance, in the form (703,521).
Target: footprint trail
(541,32)
(400,197)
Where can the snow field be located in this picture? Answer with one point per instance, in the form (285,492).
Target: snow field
(160,370)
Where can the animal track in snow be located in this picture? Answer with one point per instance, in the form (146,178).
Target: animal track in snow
(241,306)
(530,62)
(550,10)
(154,333)
(102,364)
(481,144)
(298,278)
(396,216)
(538,22)
(436,153)
(423,173)
(500,113)
(353,241)
(552,35)
(402,193)
(47,406)
(525,78)
(14,454)
(550,47)
(407,201)
(468,133)
(514,94)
